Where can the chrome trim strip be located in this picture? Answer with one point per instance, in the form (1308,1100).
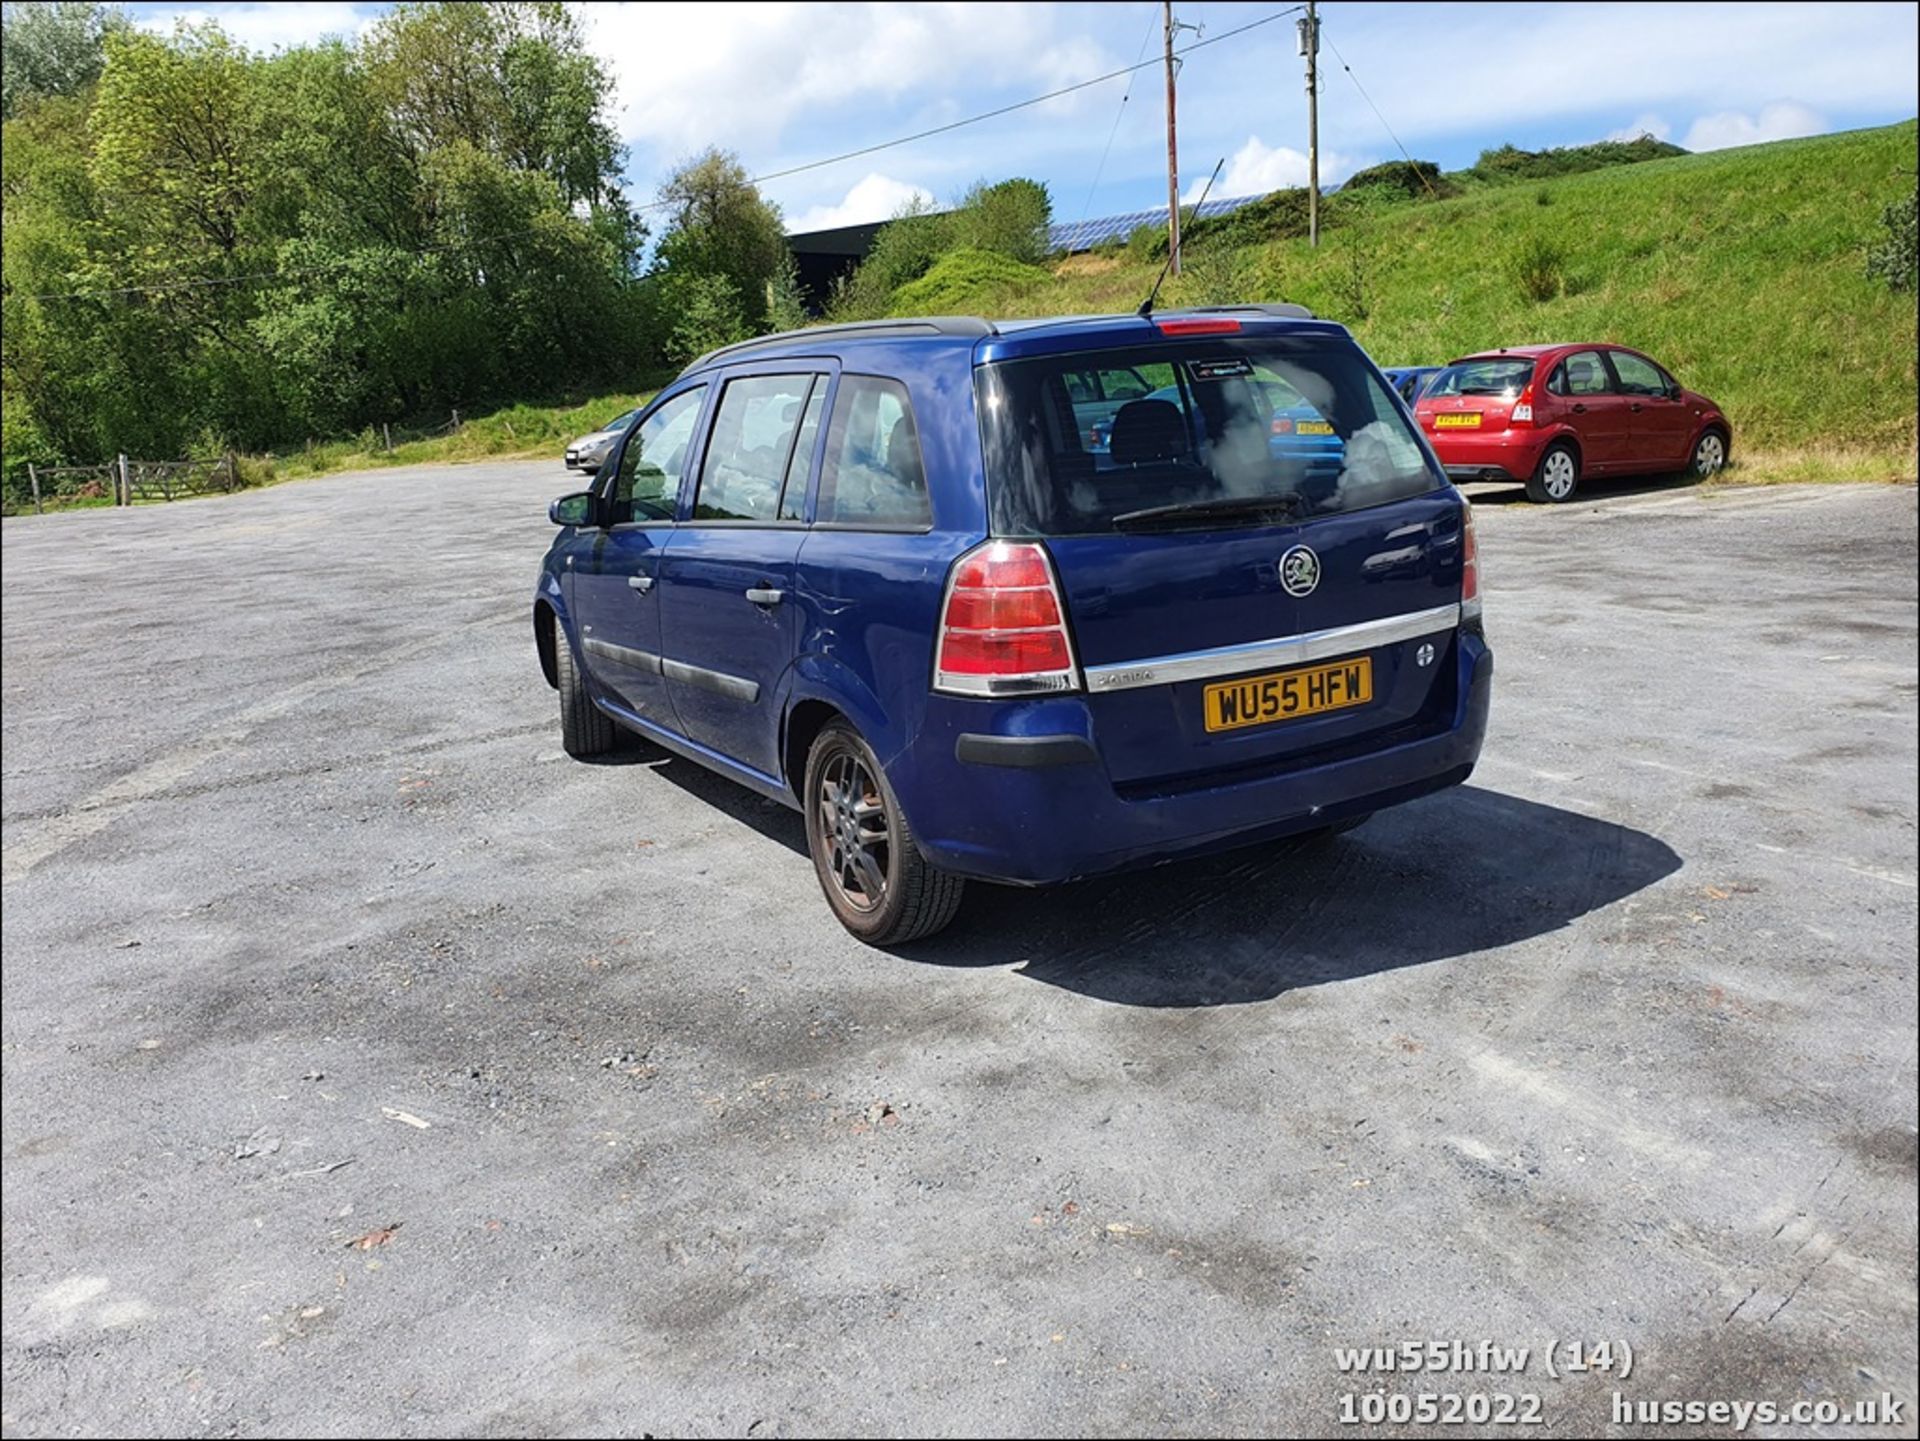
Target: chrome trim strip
(640,660)
(730,686)
(1260,654)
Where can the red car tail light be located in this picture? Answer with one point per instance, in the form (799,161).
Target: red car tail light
(1282,425)
(1003,629)
(1522,413)
(1469,566)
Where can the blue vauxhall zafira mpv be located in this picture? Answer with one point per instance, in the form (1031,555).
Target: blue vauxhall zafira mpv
(1023,602)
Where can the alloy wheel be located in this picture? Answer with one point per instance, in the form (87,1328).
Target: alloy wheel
(852,818)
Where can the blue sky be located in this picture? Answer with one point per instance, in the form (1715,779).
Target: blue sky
(783,84)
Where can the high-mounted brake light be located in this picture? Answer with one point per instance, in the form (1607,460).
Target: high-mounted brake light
(1003,630)
(1200,325)
(1523,408)
(1469,566)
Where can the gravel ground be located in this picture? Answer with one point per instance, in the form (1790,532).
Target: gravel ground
(372,1068)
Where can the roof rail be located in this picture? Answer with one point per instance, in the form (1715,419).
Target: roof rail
(969,326)
(1278,309)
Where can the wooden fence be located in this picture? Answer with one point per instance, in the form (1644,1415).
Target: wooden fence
(128,482)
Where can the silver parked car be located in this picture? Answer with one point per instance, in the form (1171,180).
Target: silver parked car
(588,451)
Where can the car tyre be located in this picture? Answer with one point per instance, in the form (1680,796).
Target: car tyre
(1709,455)
(878,884)
(1556,477)
(585,730)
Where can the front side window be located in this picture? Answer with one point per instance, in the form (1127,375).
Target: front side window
(1638,375)
(751,452)
(647,485)
(1233,432)
(873,474)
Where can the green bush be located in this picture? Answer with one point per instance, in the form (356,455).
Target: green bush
(1538,267)
(1009,219)
(1892,257)
(967,281)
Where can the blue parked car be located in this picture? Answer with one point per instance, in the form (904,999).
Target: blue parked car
(877,572)
(1411,380)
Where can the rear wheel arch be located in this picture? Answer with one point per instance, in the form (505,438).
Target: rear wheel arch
(805,721)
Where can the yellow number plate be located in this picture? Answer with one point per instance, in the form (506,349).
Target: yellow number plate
(1289,694)
(1458,420)
(1313,427)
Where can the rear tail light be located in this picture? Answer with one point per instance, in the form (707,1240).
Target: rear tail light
(1282,425)
(1003,629)
(1523,408)
(1469,567)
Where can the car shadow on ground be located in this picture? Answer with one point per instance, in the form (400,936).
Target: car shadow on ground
(1462,872)
(1591,491)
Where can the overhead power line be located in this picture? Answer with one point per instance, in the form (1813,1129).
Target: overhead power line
(1381,118)
(772,175)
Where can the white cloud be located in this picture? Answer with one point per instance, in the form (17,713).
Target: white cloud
(1782,120)
(1649,124)
(265,27)
(736,74)
(876,197)
(1257,167)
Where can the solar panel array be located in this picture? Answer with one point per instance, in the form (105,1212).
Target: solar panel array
(1074,236)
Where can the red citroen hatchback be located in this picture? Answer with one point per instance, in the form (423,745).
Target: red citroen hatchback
(1551,415)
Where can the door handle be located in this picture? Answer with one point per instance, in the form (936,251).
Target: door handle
(1579,410)
(1636,407)
(641,583)
(765,595)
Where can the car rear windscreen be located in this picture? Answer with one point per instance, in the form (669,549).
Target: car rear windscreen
(1229,430)
(1480,377)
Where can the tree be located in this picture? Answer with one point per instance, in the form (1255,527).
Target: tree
(52,49)
(1009,218)
(718,225)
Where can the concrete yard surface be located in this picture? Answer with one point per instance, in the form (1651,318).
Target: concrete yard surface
(372,1068)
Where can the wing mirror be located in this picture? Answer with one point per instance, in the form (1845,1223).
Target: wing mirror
(575,509)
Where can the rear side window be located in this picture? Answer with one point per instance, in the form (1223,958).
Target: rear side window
(1231,431)
(873,474)
(751,453)
(1581,374)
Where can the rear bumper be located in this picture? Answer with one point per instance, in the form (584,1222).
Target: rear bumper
(986,815)
(1497,455)
(1481,472)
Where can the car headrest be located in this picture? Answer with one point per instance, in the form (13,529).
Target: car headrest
(1145,431)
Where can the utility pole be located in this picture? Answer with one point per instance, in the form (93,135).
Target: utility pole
(1173,159)
(1310,47)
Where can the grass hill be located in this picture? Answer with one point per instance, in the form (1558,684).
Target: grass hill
(1743,270)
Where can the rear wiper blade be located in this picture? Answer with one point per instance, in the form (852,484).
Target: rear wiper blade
(1282,507)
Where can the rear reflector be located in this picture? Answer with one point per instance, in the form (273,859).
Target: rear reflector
(1003,630)
(1209,325)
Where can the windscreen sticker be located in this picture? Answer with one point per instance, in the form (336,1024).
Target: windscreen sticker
(1219,369)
